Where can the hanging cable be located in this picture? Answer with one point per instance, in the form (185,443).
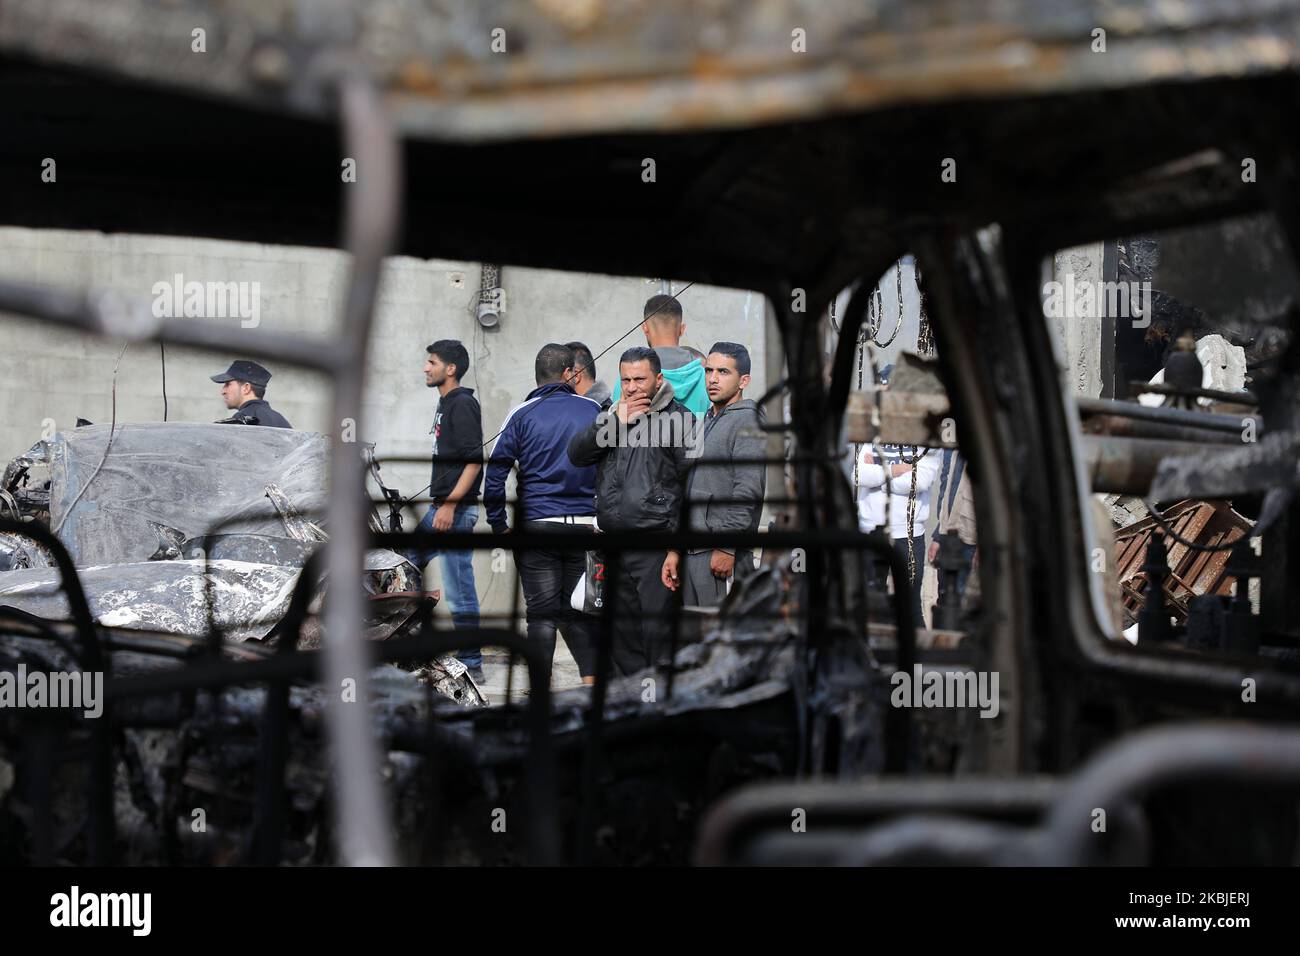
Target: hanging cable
(898,283)
(162,354)
(112,433)
(924,331)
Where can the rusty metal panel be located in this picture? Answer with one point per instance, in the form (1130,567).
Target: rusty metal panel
(1192,572)
(487,69)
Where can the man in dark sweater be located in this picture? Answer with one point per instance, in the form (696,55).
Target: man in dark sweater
(641,451)
(457,477)
(725,486)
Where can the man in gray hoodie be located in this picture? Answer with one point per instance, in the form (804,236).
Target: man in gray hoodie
(725,485)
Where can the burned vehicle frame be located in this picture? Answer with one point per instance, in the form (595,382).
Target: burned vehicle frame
(167,548)
(766,190)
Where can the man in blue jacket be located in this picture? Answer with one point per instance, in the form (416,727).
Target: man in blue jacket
(556,497)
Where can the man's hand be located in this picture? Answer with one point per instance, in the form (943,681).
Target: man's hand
(722,564)
(442,518)
(627,410)
(899,469)
(867,457)
(668,574)
(933,552)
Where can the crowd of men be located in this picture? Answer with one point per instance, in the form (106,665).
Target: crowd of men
(675,430)
(674,436)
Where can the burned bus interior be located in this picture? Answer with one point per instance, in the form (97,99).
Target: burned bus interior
(1134,580)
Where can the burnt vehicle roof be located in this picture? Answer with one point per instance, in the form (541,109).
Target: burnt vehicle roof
(198,479)
(769,163)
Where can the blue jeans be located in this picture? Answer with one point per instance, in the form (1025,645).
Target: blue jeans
(457,577)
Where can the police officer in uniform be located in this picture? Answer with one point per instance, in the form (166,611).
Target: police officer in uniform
(243,386)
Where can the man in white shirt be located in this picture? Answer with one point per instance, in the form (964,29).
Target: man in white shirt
(885,487)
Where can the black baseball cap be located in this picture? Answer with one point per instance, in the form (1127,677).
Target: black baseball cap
(244,371)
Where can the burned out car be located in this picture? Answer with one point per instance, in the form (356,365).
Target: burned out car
(180,534)
(174,522)
(797,177)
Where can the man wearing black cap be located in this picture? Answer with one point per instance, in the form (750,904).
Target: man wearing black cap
(243,386)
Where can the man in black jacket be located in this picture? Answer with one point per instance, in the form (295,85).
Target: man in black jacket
(454,485)
(641,449)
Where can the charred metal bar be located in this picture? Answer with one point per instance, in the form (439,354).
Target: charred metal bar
(921,839)
(305,349)
(39,743)
(1122,426)
(898,720)
(745,814)
(674,636)
(109,314)
(1153,619)
(33,626)
(1128,465)
(543,839)
(92,656)
(100,794)
(264,839)
(1243,626)
(308,665)
(517,510)
(371,216)
(1205,421)
(1248,753)
(833,539)
(1160,388)
(612,542)
(273,742)
(595,724)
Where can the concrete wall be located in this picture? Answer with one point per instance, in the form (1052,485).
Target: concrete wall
(1079,336)
(49,378)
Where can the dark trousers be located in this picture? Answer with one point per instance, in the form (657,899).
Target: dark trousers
(641,609)
(881,573)
(548,579)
